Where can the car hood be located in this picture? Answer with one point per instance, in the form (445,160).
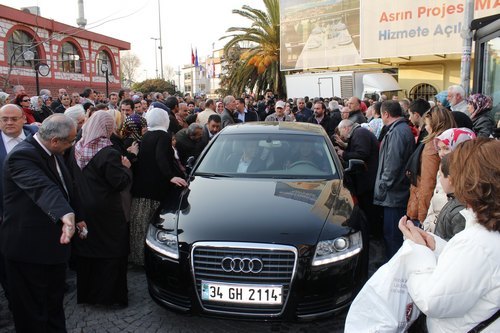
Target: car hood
(257,210)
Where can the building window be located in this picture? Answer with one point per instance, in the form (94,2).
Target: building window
(187,76)
(71,61)
(17,46)
(423,90)
(103,58)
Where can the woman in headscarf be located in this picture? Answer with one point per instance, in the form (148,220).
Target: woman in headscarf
(444,143)
(479,107)
(134,128)
(3,98)
(101,173)
(157,178)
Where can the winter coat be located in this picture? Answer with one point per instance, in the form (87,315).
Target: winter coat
(420,195)
(457,285)
(483,124)
(392,187)
(450,221)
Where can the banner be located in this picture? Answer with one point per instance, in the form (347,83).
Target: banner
(416,27)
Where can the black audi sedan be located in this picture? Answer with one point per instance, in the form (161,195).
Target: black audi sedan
(266,229)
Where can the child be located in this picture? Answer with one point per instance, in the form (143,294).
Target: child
(449,221)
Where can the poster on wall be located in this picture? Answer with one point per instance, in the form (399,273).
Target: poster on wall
(319,33)
(415,27)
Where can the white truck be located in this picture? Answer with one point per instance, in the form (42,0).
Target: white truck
(341,84)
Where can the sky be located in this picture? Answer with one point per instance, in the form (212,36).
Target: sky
(185,24)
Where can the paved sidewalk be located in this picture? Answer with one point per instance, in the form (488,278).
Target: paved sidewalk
(144,315)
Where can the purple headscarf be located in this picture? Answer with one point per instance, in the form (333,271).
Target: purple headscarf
(480,103)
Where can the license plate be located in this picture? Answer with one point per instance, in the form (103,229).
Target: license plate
(241,293)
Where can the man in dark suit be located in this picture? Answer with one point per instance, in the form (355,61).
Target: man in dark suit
(188,142)
(211,128)
(242,114)
(247,160)
(227,115)
(38,224)
(12,132)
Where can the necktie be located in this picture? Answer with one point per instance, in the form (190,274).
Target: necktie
(55,168)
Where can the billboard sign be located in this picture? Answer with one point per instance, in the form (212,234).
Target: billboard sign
(319,33)
(416,27)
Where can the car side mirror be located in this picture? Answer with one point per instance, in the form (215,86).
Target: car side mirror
(355,166)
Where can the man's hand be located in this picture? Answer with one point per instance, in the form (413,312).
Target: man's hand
(178,181)
(68,228)
(82,229)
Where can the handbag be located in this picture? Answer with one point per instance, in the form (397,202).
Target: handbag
(482,325)
(412,167)
(384,304)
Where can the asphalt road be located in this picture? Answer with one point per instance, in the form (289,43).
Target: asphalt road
(144,315)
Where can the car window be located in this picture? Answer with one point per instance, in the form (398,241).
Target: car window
(269,155)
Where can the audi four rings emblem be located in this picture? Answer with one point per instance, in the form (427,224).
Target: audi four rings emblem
(242,265)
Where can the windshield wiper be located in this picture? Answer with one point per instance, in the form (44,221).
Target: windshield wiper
(211,174)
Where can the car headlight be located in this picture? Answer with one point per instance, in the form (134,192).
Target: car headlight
(162,242)
(340,248)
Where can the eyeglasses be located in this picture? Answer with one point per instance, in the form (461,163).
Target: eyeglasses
(25,100)
(13,119)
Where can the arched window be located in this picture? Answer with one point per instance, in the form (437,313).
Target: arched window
(423,90)
(104,59)
(70,58)
(18,47)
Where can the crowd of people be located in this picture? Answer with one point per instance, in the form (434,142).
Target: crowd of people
(99,166)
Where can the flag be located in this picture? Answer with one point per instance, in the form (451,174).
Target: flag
(196,58)
(192,56)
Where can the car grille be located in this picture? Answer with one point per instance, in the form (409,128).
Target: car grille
(279,268)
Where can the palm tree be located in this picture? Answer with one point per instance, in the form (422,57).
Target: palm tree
(258,65)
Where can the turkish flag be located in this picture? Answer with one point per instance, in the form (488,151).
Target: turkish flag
(192,56)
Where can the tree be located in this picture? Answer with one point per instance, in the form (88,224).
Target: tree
(258,66)
(154,85)
(129,63)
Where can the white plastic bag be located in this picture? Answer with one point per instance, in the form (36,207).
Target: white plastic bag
(384,305)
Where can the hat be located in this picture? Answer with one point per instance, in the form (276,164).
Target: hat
(280,104)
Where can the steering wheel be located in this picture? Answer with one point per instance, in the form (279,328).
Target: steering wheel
(302,162)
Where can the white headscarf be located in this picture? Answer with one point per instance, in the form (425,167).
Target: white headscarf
(158,120)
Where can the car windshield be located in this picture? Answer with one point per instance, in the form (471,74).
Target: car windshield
(269,156)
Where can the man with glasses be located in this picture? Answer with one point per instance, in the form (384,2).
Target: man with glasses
(39,221)
(12,132)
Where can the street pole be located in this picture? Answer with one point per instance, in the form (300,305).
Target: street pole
(156,56)
(466,46)
(107,81)
(37,81)
(161,46)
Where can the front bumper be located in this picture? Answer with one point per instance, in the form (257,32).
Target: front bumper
(312,292)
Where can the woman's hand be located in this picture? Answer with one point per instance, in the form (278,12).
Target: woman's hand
(125,162)
(134,148)
(415,234)
(178,181)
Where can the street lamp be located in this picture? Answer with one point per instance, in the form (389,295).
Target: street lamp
(105,70)
(41,68)
(156,55)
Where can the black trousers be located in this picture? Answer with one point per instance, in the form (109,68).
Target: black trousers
(36,294)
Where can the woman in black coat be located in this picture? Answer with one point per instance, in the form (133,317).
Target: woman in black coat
(101,173)
(158,177)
